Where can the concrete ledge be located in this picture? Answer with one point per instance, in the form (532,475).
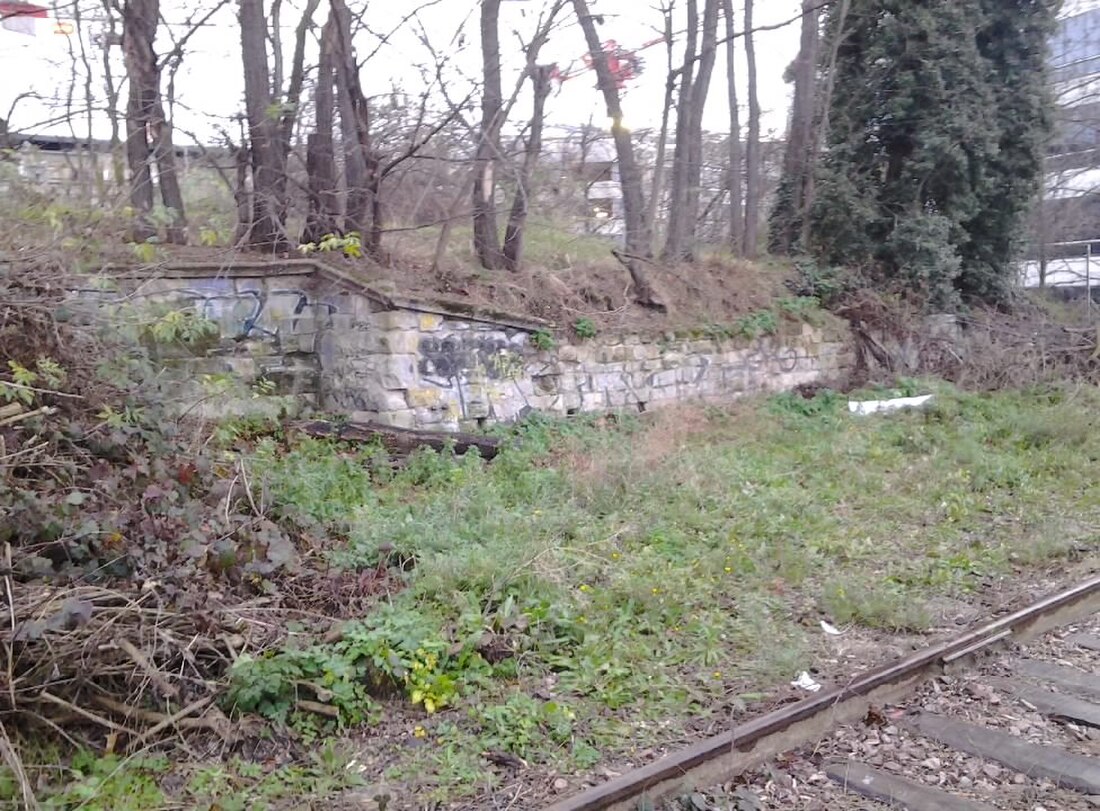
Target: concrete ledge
(253,268)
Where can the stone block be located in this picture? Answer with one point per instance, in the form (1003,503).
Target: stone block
(477,404)
(671,360)
(298,324)
(395,319)
(398,371)
(340,322)
(609,381)
(299,342)
(394,342)
(361,415)
(384,399)
(613,354)
(570,400)
(398,419)
(593,401)
(569,353)
(423,397)
(431,417)
(547,383)
(619,399)
(243,367)
(429,322)
(669,377)
(544,402)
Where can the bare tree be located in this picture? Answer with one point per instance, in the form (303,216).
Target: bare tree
(662,137)
(360,161)
(737,216)
(517,219)
(798,160)
(147,130)
(821,116)
(486,238)
(684,215)
(630,175)
(324,203)
(674,249)
(265,229)
(111,38)
(752,149)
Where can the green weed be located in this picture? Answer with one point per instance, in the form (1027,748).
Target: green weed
(649,567)
(583,328)
(542,340)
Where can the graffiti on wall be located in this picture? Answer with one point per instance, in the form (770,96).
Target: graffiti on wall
(257,314)
(446,361)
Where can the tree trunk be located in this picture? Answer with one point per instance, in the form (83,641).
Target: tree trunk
(324,204)
(699,90)
(111,88)
(165,154)
(675,249)
(486,238)
(630,176)
(139,25)
(791,205)
(297,75)
(354,125)
(517,219)
(752,151)
(662,138)
(266,229)
(821,119)
(242,194)
(737,216)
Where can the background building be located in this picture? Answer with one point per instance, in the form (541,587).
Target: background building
(1065,249)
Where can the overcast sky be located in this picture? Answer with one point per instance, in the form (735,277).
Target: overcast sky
(209,88)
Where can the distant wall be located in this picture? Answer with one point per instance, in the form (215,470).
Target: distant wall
(324,340)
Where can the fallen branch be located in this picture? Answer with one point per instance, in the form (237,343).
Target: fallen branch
(15,765)
(88,714)
(318,707)
(161,720)
(174,720)
(44,411)
(402,440)
(167,689)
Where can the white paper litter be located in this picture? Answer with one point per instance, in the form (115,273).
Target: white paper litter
(806,682)
(865,407)
(830,629)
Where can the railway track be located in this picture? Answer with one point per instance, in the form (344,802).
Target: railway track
(1006,716)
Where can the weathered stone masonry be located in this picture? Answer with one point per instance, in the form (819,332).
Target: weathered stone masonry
(331,342)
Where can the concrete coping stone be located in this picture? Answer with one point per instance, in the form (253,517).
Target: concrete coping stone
(252,268)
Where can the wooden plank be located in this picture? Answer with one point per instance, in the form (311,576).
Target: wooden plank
(897,791)
(1064,768)
(1086,641)
(1066,679)
(1052,704)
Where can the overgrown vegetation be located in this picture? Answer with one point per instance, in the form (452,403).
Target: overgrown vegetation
(569,579)
(579,598)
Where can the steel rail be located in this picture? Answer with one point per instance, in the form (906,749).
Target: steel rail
(721,757)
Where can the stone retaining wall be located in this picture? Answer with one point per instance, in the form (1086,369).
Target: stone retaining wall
(327,341)
(447,373)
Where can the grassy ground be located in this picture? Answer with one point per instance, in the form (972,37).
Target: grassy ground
(603,586)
